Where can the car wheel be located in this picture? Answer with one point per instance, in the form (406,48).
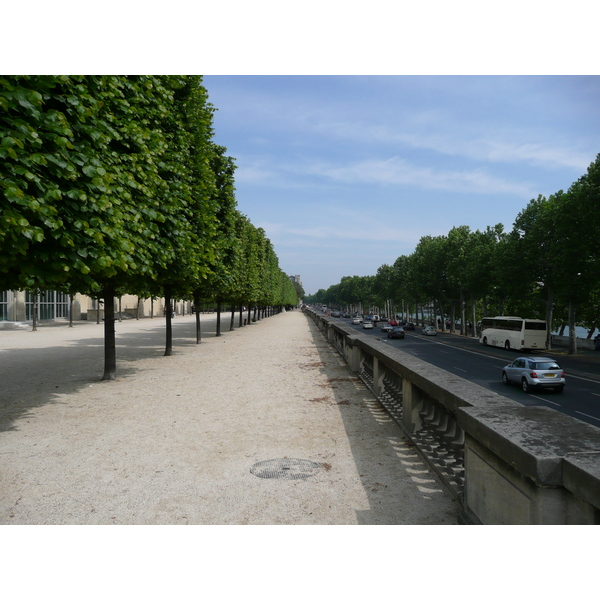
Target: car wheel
(525,385)
(507,345)
(559,389)
(505,379)
(485,341)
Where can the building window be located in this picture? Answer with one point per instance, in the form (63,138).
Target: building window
(3,306)
(51,305)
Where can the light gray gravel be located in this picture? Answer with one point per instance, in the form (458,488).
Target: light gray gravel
(173,439)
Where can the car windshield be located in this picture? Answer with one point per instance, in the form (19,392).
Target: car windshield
(546,366)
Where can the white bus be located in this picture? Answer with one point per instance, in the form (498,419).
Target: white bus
(513,332)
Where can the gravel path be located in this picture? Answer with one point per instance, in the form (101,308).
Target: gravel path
(176,440)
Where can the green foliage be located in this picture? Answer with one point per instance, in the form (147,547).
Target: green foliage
(113,184)
(549,259)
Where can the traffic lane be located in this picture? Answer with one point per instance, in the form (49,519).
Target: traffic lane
(581,398)
(584,365)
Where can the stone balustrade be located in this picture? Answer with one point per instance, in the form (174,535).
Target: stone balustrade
(506,463)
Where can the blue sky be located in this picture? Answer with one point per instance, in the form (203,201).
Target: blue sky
(346,173)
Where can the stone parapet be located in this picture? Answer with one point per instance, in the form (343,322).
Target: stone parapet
(507,463)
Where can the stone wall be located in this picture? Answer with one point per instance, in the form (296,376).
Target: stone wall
(506,463)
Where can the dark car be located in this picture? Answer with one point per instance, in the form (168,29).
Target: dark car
(396,333)
(409,327)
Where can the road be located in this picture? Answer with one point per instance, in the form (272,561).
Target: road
(467,358)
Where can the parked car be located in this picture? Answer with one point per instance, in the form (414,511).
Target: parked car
(396,333)
(409,327)
(534,373)
(385,327)
(356,321)
(368,325)
(429,330)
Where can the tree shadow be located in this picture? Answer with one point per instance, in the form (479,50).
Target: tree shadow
(402,476)
(33,377)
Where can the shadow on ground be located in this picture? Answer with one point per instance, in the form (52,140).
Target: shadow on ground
(402,480)
(33,377)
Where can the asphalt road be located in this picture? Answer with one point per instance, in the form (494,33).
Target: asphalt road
(467,358)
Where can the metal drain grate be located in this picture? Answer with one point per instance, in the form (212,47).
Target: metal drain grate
(285,468)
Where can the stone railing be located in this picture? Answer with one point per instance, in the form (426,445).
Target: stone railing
(506,463)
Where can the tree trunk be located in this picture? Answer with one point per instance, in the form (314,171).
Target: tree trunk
(197,309)
(35,311)
(232,318)
(572,331)
(463,313)
(549,311)
(218,318)
(169,324)
(442,315)
(241,315)
(70,310)
(110,348)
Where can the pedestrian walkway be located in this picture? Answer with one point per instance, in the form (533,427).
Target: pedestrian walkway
(262,425)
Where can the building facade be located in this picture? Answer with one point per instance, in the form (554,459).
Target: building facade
(19,306)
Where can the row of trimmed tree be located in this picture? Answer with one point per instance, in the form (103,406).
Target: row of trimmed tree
(112,185)
(547,266)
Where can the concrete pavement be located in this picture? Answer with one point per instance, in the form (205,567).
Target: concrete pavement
(263,425)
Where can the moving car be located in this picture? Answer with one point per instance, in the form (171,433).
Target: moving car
(534,373)
(393,323)
(368,325)
(429,330)
(356,321)
(386,327)
(409,327)
(396,333)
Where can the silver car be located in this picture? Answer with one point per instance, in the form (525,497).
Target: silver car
(368,325)
(429,330)
(534,373)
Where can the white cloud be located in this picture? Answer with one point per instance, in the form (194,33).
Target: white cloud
(394,171)
(398,171)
